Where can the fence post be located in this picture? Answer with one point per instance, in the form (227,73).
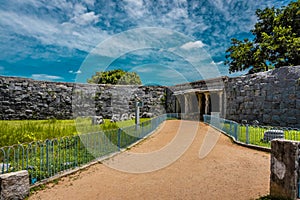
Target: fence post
(247,134)
(47,156)
(236,131)
(143,134)
(119,139)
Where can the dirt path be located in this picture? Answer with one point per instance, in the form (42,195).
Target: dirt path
(227,172)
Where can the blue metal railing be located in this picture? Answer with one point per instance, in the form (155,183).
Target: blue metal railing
(251,134)
(44,159)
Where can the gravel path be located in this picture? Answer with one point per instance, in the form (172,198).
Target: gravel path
(229,171)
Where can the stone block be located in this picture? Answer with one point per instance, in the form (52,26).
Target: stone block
(276,119)
(266,118)
(298,103)
(284,168)
(14,186)
(292,120)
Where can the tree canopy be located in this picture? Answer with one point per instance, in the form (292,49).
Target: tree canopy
(276,41)
(116,77)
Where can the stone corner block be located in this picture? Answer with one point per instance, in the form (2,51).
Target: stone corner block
(284,168)
(14,185)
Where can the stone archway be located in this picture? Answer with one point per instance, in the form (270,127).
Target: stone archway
(199,103)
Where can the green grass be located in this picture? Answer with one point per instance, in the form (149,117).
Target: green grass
(71,143)
(256,134)
(25,131)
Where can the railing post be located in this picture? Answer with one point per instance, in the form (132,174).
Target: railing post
(230,128)
(247,134)
(236,131)
(47,156)
(119,139)
(76,151)
(143,134)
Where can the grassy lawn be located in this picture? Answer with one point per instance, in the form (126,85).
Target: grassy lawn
(256,134)
(59,145)
(24,131)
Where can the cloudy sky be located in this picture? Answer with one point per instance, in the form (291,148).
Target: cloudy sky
(165,41)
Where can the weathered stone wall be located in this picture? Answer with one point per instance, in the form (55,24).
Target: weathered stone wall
(22,98)
(272,98)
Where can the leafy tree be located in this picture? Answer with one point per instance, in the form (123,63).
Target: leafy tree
(276,41)
(116,77)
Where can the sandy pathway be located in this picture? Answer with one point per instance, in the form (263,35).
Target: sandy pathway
(228,172)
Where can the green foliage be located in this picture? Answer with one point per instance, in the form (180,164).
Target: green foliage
(276,42)
(116,77)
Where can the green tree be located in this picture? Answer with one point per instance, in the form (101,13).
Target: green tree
(116,77)
(276,41)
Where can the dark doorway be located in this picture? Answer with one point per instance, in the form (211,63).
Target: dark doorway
(202,106)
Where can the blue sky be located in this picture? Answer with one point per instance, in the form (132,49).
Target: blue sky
(68,40)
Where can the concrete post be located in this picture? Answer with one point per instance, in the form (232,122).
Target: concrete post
(284,168)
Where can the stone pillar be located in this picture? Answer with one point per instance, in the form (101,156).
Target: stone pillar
(14,185)
(206,103)
(284,168)
(177,104)
(221,103)
(199,101)
(186,103)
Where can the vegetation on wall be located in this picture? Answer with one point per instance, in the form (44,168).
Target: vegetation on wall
(116,77)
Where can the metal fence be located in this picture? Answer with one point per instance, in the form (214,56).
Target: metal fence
(44,159)
(252,134)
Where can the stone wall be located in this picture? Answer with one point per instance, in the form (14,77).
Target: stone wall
(272,98)
(22,98)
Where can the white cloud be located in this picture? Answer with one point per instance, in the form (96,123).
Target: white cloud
(138,3)
(75,72)
(45,77)
(50,32)
(79,9)
(86,18)
(135,8)
(193,45)
(90,2)
(217,63)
